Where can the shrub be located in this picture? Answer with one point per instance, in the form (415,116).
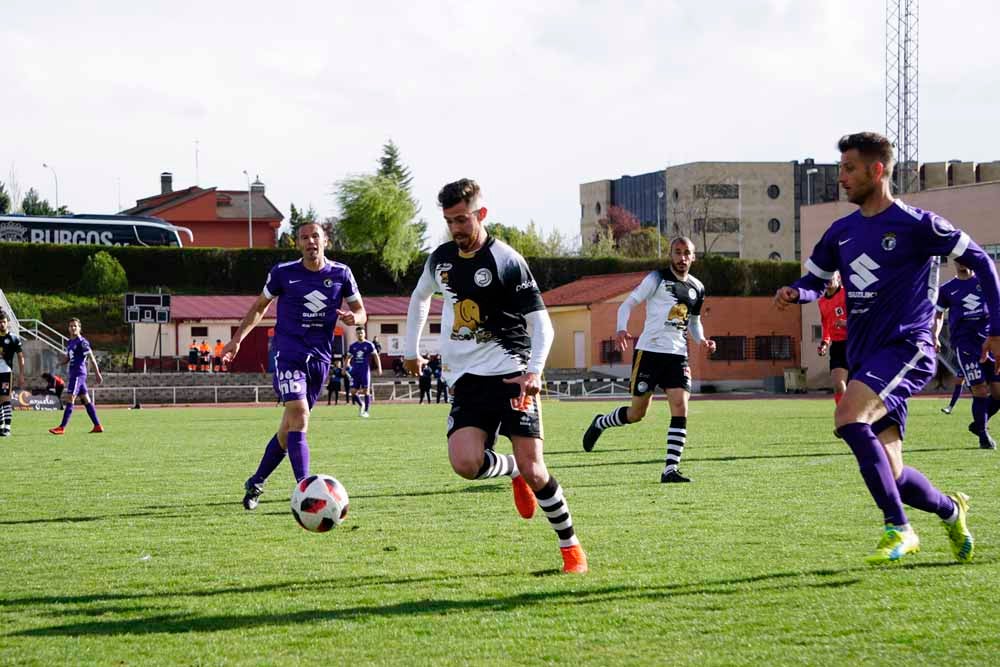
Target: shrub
(103,274)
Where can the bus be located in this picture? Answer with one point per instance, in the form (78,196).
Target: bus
(91,230)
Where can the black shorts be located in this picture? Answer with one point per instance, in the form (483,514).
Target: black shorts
(838,354)
(486,402)
(658,369)
(5,384)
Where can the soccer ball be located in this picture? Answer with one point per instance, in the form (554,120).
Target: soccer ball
(319,503)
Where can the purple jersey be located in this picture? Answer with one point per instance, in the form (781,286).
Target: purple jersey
(77,349)
(360,352)
(968,316)
(307,307)
(889,264)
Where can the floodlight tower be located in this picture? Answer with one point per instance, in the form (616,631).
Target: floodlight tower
(902,46)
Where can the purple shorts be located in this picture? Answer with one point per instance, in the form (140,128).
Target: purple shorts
(895,372)
(299,380)
(973,371)
(77,385)
(361,377)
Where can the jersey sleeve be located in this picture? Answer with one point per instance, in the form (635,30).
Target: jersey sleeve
(699,300)
(941,238)
(273,287)
(17,347)
(525,297)
(350,291)
(942,300)
(84,346)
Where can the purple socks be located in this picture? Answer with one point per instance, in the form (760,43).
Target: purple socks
(875,469)
(917,491)
(298,454)
(368,402)
(67,413)
(956,393)
(273,456)
(92,413)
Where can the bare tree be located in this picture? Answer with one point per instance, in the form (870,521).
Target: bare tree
(698,216)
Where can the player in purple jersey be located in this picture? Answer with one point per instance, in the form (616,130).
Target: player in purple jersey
(360,352)
(968,324)
(310,292)
(78,352)
(888,254)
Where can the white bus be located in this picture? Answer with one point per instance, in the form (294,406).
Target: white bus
(91,230)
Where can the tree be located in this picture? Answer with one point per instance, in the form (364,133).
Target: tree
(603,244)
(4,199)
(33,204)
(392,166)
(621,222)
(699,217)
(103,274)
(376,215)
(642,243)
(297,218)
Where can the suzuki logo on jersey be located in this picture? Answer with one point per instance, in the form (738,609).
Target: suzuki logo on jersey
(863,276)
(971,303)
(315,301)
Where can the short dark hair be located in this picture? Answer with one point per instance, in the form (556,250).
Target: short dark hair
(681,239)
(461,190)
(871,146)
(358,328)
(3,315)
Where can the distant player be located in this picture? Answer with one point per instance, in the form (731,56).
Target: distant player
(958,383)
(833,312)
(424,384)
(334,384)
(495,337)
(78,353)
(361,352)
(673,308)
(10,349)
(888,253)
(310,292)
(969,326)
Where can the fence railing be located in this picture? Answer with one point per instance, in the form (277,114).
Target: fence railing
(38,330)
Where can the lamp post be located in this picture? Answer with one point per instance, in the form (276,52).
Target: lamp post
(659,232)
(249,208)
(56,179)
(809,182)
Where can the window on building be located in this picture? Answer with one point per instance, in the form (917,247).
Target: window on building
(387,328)
(773,191)
(199,332)
(768,348)
(773,225)
(717,225)
(597,208)
(717,191)
(817,330)
(676,195)
(775,256)
(610,354)
(435,327)
(729,348)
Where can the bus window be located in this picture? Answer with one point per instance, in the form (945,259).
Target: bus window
(152,235)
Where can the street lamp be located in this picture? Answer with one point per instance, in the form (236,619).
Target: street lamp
(659,233)
(56,179)
(809,183)
(249,208)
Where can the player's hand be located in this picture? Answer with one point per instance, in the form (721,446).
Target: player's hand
(529,383)
(785,297)
(100,379)
(709,345)
(937,344)
(346,316)
(230,350)
(415,366)
(991,347)
(622,339)
(822,349)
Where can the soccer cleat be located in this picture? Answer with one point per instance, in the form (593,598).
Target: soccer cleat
(574,560)
(252,497)
(986,441)
(592,434)
(4,432)
(524,497)
(97,429)
(365,415)
(963,545)
(893,545)
(947,411)
(672,477)
(58,430)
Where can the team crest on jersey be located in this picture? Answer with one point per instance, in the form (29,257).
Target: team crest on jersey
(692,294)
(467,322)
(328,283)
(483,277)
(941,226)
(889,241)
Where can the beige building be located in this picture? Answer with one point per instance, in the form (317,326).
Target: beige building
(973,208)
(595,200)
(738,209)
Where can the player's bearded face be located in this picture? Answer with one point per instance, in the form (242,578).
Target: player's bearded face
(4,323)
(681,257)
(464,224)
(857,176)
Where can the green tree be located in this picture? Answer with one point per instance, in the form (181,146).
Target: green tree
(4,199)
(392,166)
(297,218)
(376,215)
(33,204)
(529,242)
(603,244)
(103,274)
(642,243)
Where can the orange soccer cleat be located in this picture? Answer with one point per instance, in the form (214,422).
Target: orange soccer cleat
(58,430)
(574,560)
(97,429)
(524,497)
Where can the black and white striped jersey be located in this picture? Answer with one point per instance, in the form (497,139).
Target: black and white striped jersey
(487,295)
(670,304)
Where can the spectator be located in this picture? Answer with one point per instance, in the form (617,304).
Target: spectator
(424,382)
(54,384)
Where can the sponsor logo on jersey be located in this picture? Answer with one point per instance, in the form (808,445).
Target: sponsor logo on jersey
(483,277)
(467,322)
(315,301)
(692,294)
(642,387)
(864,276)
(527,284)
(678,315)
(971,303)
(889,242)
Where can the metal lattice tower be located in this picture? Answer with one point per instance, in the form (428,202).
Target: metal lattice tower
(902,125)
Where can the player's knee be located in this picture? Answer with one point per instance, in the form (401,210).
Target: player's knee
(465,466)
(535,474)
(980,390)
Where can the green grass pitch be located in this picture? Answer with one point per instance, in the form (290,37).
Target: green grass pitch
(131,547)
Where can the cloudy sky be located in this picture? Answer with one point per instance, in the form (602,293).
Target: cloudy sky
(529,98)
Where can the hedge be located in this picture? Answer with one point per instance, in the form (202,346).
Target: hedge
(56,268)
